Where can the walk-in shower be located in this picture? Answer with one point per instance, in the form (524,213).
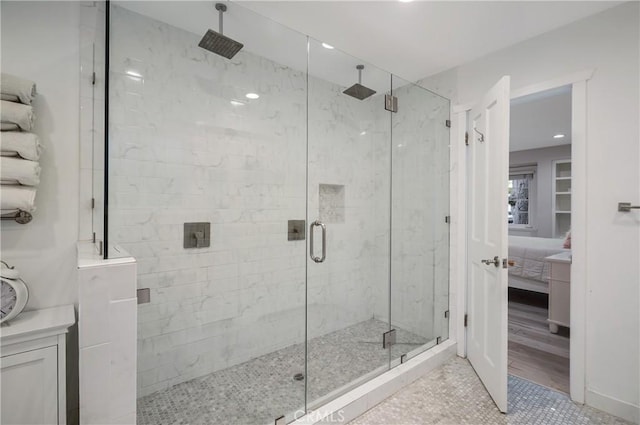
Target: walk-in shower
(294,241)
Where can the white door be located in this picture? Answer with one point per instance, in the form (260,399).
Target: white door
(488,162)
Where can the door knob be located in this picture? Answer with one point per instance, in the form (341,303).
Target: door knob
(495,261)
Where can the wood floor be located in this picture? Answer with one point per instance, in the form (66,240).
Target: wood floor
(535,353)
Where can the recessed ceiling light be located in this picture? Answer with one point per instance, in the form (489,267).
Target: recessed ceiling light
(558,136)
(252,95)
(327,46)
(237,103)
(363,133)
(405,1)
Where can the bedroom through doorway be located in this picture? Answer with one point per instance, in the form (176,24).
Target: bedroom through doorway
(539,221)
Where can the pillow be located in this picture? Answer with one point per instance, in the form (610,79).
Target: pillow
(567,241)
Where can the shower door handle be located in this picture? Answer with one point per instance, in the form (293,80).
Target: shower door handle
(318,223)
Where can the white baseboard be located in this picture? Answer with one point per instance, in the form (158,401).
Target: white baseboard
(619,408)
(354,403)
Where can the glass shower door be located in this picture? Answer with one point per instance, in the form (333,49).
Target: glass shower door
(348,223)
(207,189)
(420,224)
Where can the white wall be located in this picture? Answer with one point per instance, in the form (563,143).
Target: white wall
(543,158)
(609,43)
(40,41)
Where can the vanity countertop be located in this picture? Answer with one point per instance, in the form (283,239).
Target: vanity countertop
(38,324)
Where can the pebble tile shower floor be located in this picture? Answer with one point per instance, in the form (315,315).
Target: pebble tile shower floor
(260,390)
(454,395)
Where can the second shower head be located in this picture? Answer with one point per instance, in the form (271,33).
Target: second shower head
(357,90)
(218,43)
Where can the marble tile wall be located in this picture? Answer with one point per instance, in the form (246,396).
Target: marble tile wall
(420,202)
(342,290)
(186,145)
(181,152)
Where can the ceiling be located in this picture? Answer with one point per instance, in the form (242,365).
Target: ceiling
(413,40)
(536,118)
(421,38)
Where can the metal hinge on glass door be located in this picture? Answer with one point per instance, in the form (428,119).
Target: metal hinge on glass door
(389,338)
(390,103)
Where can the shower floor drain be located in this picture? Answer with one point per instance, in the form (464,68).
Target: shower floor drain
(298,376)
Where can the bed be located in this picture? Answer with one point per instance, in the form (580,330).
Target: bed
(531,271)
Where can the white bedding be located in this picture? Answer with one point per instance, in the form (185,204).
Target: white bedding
(529,254)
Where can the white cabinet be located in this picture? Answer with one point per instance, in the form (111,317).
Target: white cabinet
(561,201)
(559,291)
(33,367)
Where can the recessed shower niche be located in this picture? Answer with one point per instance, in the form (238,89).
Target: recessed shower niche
(331,205)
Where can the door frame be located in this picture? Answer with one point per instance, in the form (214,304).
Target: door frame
(579,265)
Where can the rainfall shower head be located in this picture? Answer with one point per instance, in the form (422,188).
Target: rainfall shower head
(217,43)
(357,90)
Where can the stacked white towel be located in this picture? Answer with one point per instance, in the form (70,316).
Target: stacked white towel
(20,143)
(19,149)
(19,171)
(17,198)
(16,89)
(17,114)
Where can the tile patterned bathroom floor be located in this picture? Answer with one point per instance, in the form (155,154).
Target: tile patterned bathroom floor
(453,394)
(260,390)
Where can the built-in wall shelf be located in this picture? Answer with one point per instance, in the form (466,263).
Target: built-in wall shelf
(561,197)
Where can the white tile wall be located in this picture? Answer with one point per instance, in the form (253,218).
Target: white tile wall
(342,290)
(420,235)
(107,317)
(181,152)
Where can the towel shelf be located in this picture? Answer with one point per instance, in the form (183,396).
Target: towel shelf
(21,217)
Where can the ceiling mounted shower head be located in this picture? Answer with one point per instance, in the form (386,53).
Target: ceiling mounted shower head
(357,90)
(218,43)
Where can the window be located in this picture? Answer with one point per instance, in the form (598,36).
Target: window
(521,196)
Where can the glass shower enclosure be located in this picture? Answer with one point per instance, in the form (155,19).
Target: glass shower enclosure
(293,237)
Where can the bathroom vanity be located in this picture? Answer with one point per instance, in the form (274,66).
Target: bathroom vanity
(33,364)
